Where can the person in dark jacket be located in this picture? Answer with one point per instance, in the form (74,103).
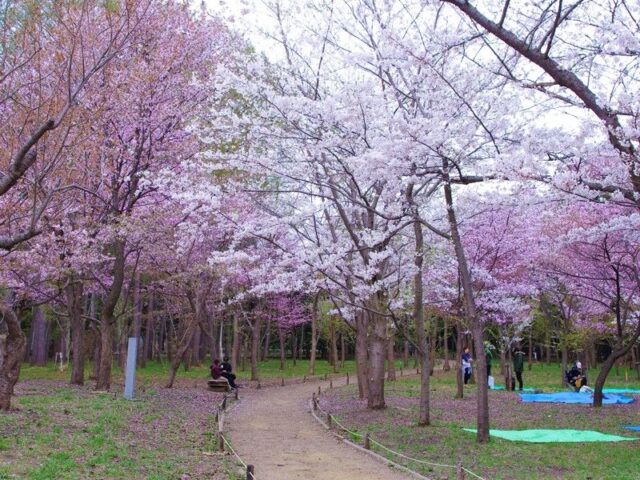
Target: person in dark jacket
(226,372)
(466,365)
(518,364)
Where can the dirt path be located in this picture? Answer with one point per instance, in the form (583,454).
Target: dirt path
(272,429)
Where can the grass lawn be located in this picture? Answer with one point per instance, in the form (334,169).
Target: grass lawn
(446,442)
(157,373)
(66,432)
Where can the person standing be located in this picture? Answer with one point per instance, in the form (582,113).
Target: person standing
(466,365)
(518,364)
(488,352)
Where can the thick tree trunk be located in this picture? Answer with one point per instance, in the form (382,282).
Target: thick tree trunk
(39,338)
(74,308)
(362,355)
(314,336)
(108,318)
(618,352)
(377,356)
(12,349)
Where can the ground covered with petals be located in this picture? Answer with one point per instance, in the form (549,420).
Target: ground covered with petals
(446,442)
(62,432)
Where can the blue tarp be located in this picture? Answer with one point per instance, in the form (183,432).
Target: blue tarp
(633,429)
(629,391)
(571,397)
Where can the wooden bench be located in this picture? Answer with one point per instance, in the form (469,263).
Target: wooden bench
(219,385)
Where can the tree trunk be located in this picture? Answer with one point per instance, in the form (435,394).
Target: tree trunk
(74,308)
(255,346)
(267,341)
(235,344)
(39,338)
(418,315)
(198,303)
(405,354)
(362,355)
(343,353)
(530,361)
(108,318)
(281,339)
(618,352)
(96,336)
(11,354)
(445,345)
(314,335)
(149,331)
(334,345)
(294,347)
(472,316)
(377,356)
(459,373)
(195,347)
(391,359)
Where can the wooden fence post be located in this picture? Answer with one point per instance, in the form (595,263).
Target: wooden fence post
(319,391)
(459,471)
(330,384)
(282,383)
(347,378)
(329,420)
(367,441)
(221,441)
(250,472)
(314,401)
(236,393)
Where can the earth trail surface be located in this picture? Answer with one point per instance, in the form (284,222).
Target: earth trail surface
(272,429)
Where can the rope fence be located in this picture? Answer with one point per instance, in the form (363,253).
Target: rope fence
(223,443)
(331,421)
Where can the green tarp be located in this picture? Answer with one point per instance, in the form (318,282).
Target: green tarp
(554,436)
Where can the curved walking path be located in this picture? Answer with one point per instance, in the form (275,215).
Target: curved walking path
(273,430)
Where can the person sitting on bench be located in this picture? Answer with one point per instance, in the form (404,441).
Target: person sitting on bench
(216,370)
(226,372)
